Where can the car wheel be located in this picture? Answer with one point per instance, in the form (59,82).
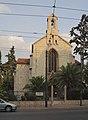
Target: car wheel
(8,109)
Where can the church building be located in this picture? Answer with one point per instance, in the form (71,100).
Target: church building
(49,52)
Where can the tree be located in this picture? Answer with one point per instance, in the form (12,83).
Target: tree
(52,82)
(79,36)
(11,62)
(11,65)
(0,57)
(1,77)
(36,84)
(2,92)
(8,72)
(68,77)
(86,74)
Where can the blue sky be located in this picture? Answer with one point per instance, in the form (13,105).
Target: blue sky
(33,24)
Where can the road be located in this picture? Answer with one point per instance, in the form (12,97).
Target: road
(46,114)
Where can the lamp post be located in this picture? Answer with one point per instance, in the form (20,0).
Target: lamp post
(46,87)
(82,67)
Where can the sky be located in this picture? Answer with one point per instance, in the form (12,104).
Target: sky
(21,31)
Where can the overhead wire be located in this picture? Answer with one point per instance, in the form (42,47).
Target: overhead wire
(35,33)
(20,36)
(46,6)
(27,15)
(17,49)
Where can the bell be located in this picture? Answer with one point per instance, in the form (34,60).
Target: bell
(52,22)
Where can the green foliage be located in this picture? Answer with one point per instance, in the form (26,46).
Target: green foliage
(79,36)
(2,92)
(86,73)
(0,57)
(11,57)
(36,85)
(74,94)
(69,76)
(30,96)
(7,71)
(52,80)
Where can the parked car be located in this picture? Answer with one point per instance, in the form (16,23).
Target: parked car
(4,105)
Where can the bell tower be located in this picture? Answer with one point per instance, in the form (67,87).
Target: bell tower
(52,25)
(52,22)
(52,30)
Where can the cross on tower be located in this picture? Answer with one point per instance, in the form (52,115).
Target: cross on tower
(52,21)
(54,6)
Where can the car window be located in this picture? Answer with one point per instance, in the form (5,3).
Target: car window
(1,101)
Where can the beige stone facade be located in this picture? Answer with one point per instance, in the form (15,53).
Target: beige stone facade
(22,75)
(51,48)
(59,52)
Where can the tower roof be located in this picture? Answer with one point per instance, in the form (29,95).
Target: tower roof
(52,15)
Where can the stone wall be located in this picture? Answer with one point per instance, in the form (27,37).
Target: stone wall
(21,78)
(56,104)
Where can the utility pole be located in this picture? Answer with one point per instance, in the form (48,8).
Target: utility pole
(46,87)
(82,68)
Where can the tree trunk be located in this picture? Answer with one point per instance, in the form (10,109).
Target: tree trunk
(65,93)
(51,94)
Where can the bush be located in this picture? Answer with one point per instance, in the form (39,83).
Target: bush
(85,94)
(23,98)
(73,94)
(30,96)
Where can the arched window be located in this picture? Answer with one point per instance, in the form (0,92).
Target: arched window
(52,23)
(52,60)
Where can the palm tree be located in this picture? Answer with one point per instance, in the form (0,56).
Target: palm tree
(36,84)
(68,77)
(35,87)
(52,82)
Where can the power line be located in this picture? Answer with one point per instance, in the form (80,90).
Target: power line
(35,33)
(45,6)
(16,49)
(73,9)
(30,36)
(21,36)
(27,5)
(27,15)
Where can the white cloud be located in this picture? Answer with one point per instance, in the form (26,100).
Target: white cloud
(22,48)
(4,8)
(9,41)
(66,37)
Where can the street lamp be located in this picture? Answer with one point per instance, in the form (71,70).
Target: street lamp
(46,86)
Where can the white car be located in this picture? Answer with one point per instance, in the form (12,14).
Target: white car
(7,106)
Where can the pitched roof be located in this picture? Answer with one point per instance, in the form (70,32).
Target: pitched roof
(23,61)
(58,36)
